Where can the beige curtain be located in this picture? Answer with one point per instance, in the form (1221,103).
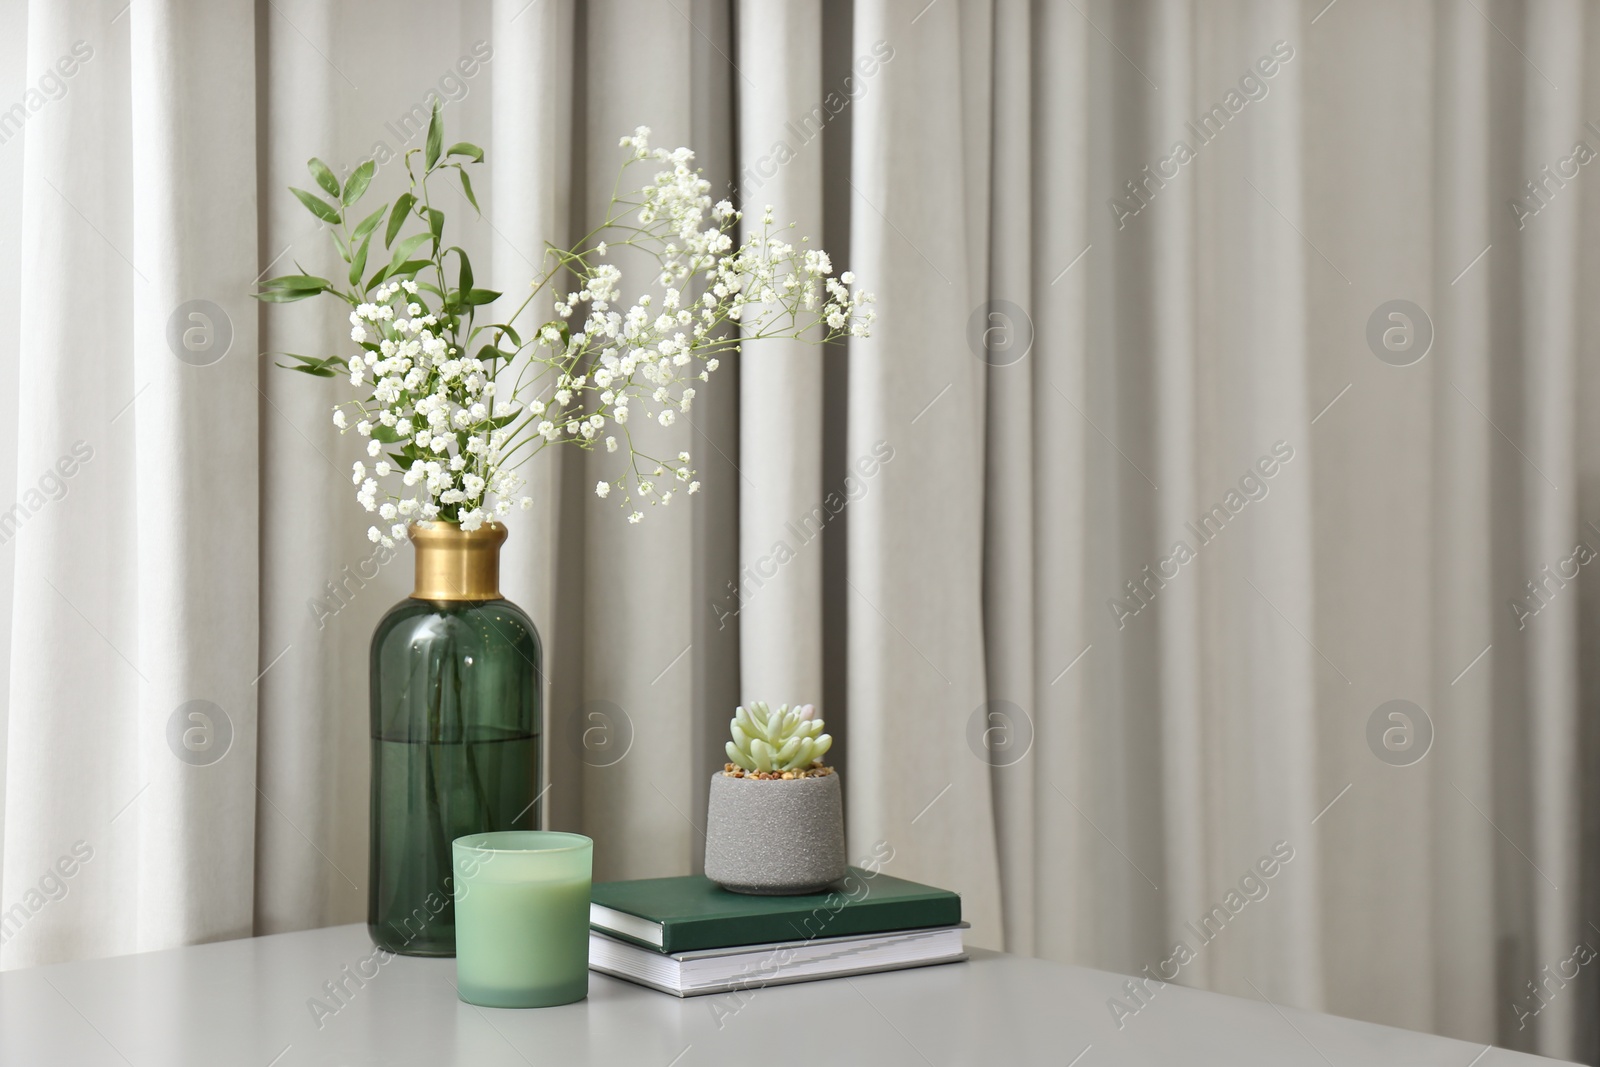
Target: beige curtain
(1226,389)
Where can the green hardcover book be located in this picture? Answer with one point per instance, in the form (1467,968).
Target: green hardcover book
(690,913)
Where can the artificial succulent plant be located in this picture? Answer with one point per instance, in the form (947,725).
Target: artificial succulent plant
(787,739)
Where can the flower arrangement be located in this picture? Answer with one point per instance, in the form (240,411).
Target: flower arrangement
(447,425)
(786,743)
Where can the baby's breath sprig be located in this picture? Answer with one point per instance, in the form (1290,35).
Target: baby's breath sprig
(452,426)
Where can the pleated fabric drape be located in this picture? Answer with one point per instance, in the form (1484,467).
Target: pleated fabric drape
(138,199)
(1104,555)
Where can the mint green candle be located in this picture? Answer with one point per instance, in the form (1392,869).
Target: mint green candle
(522,918)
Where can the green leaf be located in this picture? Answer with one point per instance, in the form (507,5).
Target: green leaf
(435,133)
(297,281)
(397,217)
(369,223)
(402,270)
(286,296)
(359,181)
(317,206)
(404,249)
(386,434)
(359,263)
(324,176)
(480,296)
(435,224)
(465,148)
(320,368)
(464,275)
(466,187)
(339,243)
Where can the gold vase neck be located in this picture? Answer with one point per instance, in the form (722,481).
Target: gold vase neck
(454,564)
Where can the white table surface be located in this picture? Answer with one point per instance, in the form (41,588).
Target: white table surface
(246,1003)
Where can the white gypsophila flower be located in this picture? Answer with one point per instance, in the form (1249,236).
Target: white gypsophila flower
(451,401)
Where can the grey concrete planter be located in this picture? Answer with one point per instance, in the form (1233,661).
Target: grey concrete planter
(775,836)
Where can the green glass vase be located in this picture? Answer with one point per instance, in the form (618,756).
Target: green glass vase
(456,723)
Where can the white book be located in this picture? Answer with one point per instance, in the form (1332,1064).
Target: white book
(690,974)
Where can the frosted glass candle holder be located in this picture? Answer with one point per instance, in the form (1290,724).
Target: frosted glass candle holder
(522,918)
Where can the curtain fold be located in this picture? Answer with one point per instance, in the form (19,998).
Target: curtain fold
(196,463)
(919,174)
(639,592)
(776,604)
(144,519)
(1009,530)
(1463,603)
(73,748)
(1058,363)
(1105,555)
(1549,342)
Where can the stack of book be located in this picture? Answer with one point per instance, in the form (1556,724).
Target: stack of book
(687,936)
